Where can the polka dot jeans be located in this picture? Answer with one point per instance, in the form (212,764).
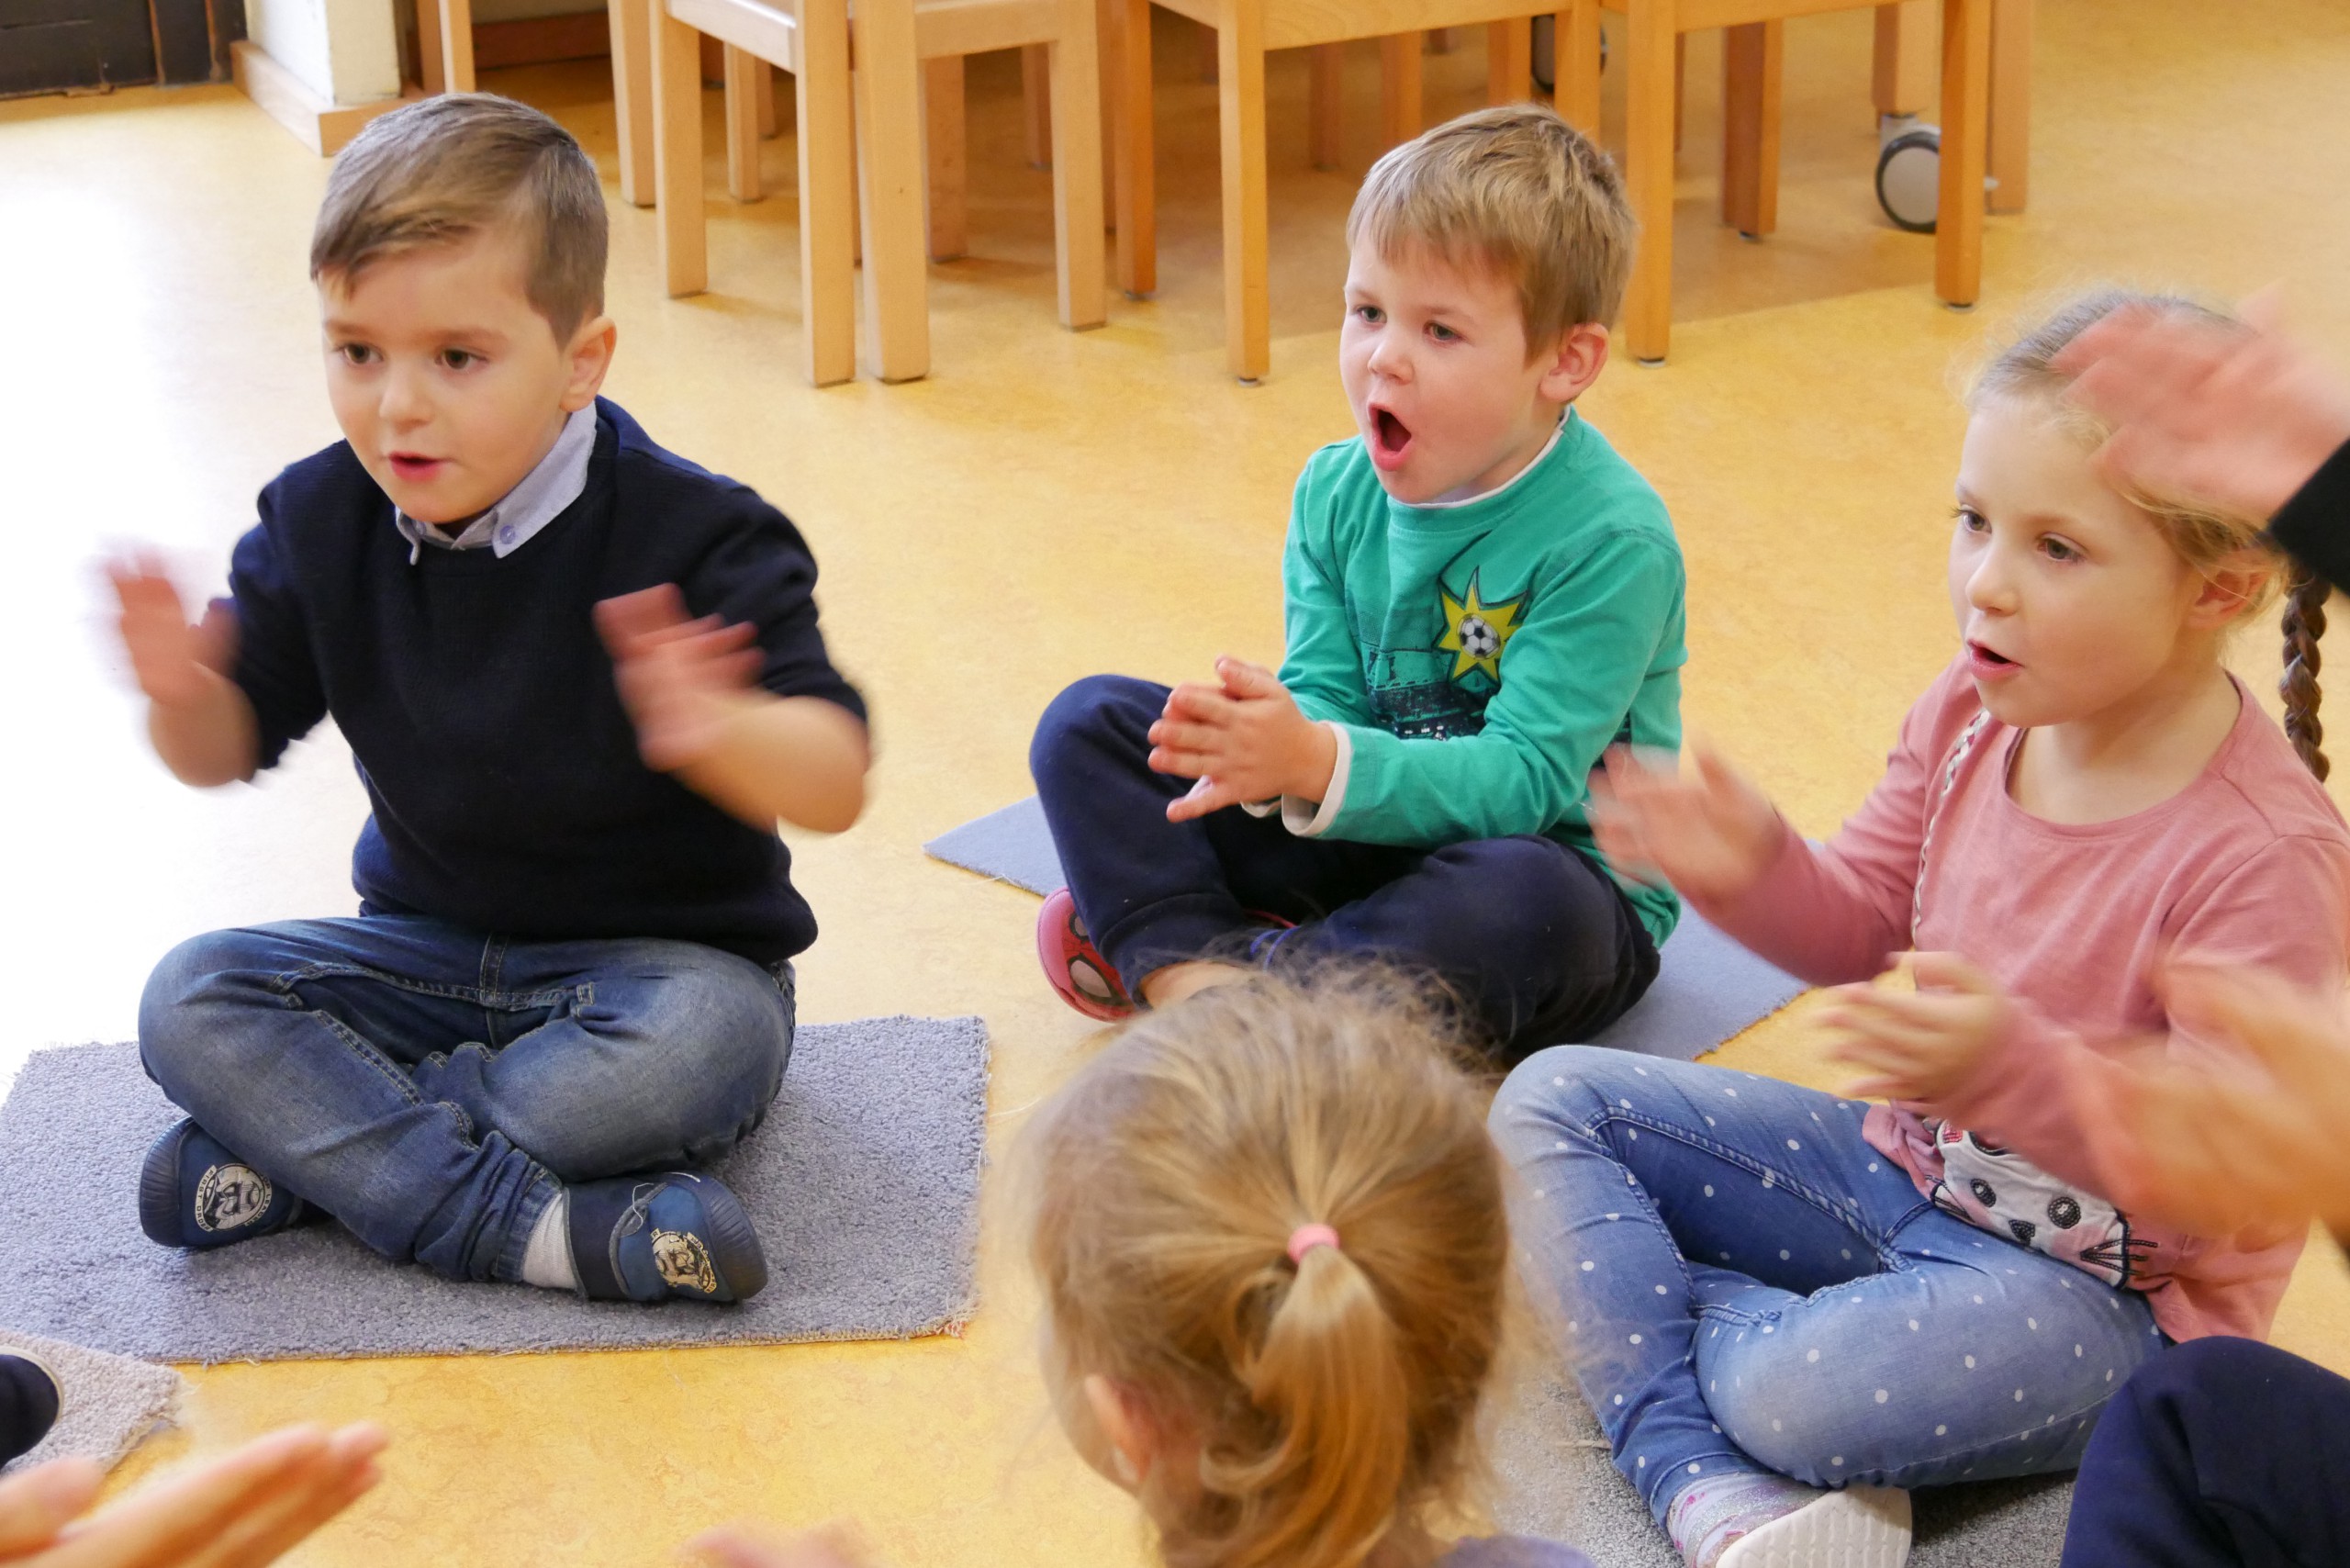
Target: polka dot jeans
(1742,1284)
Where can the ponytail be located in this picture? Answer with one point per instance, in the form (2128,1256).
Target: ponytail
(2304,624)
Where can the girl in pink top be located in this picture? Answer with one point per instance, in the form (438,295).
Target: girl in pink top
(1787,1307)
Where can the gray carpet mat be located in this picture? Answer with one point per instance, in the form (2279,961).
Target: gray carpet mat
(863,1180)
(108,1404)
(1707,988)
(1553,1479)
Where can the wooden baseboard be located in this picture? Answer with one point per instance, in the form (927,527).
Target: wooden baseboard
(323,127)
(539,41)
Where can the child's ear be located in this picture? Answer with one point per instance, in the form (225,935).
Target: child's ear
(587,357)
(1574,363)
(2227,589)
(1124,1426)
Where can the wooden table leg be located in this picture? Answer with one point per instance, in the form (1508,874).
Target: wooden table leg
(677,154)
(945,142)
(889,136)
(827,194)
(1080,265)
(1326,104)
(631,28)
(1958,220)
(2009,124)
(1509,60)
(1902,82)
(1750,82)
(1648,172)
(745,75)
(1037,103)
(457,45)
(764,93)
(428,51)
(1247,291)
(1402,114)
(1574,65)
(1135,151)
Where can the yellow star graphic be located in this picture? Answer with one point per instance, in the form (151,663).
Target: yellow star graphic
(1475,632)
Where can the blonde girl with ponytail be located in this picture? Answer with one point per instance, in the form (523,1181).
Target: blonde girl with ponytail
(1271,1236)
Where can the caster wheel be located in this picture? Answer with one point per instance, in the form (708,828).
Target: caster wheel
(1909,179)
(1545,52)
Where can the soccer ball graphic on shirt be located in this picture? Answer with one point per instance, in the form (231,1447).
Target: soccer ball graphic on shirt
(1478,638)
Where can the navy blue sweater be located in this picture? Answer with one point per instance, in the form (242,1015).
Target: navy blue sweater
(479,704)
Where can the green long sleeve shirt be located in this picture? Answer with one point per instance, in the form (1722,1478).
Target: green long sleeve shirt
(1477,658)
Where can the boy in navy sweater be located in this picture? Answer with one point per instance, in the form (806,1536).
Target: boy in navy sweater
(581,678)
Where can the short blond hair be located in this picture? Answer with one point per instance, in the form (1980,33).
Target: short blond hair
(1331,1400)
(447,168)
(1518,190)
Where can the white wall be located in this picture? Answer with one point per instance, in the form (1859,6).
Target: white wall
(344,51)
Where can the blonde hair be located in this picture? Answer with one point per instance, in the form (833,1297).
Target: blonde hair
(2204,537)
(1331,1401)
(446,168)
(1518,190)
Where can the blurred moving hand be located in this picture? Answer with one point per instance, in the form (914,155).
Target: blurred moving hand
(244,1509)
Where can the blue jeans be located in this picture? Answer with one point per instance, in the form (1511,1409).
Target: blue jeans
(432,1088)
(1744,1284)
(1535,940)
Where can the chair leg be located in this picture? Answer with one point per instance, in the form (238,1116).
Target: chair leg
(1440,40)
(428,51)
(1248,296)
(1037,103)
(677,154)
(1903,80)
(1081,263)
(2009,127)
(1958,216)
(631,28)
(1509,60)
(1648,172)
(1752,59)
(827,194)
(1402,114)
(1575,72)
(763,93)
(1136,154)
(889,137)
(1325,102)
(945,135)
(457,45)
(745,73)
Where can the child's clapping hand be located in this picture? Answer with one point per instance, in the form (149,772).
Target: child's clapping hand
(1707,832)
(678,677)
(176,664)
(1244,740)
(1922,1043)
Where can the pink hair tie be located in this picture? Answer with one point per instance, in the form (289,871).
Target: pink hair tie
(1306,1238)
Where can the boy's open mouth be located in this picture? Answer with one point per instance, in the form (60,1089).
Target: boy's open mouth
(1390,437)
(1988,663)
(413,465)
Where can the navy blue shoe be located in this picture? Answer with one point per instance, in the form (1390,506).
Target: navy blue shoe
(29,1401)
(193,1192)
(667,1233)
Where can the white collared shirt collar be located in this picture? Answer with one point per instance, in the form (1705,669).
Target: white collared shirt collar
(544,495)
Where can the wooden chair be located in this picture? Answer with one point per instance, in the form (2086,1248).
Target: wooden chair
(1245,31)
(1904,81)
(1751,133)
(888,41)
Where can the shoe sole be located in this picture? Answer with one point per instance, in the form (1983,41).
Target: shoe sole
(159,1189)
(1860,1527)
(1055,962)
(735,1247)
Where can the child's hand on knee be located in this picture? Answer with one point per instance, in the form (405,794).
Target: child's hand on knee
(1707,832)
(1924,1044)
(1243,740)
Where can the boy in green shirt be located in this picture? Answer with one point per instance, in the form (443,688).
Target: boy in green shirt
(1482,598)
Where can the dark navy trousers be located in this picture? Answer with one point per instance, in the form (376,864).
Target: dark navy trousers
(2219,1453)
(1535,940)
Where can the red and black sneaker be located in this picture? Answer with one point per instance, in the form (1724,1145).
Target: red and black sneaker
(1075,967)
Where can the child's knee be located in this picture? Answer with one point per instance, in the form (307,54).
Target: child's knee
(1526,904)
(1553,1091)
(179,1027)
(1087,712)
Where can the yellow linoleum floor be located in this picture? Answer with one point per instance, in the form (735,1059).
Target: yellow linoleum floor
(1043,507)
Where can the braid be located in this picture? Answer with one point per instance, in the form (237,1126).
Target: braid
(2304,624)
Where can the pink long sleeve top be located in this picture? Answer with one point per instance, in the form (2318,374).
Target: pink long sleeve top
(2248,865)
